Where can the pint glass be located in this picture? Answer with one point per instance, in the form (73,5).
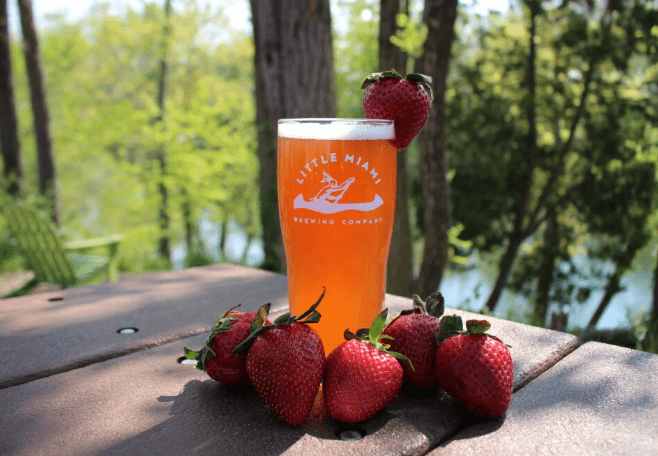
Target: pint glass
(336,189)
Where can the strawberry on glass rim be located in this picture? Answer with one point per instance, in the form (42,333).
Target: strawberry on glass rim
(405,101)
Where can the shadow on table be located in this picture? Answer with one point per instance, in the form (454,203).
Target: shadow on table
(210,418)
(162,307)
(437,415)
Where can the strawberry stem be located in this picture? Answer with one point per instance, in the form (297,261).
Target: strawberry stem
(258,326)
(373,336)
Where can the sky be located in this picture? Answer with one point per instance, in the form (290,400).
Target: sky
(238,11)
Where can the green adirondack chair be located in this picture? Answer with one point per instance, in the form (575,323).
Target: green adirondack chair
(51,259)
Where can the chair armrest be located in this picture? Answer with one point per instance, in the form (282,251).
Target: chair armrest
(91,243)
(112,242)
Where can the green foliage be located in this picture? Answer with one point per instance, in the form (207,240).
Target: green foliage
(101,76)
(411,36)
(102,73)
(601,200)
(645,330)
(355,52)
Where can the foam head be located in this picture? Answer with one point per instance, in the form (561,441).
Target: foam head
(336,129)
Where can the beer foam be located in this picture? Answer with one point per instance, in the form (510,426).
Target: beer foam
(336,129)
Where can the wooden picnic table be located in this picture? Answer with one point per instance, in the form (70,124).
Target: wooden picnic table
(73,383)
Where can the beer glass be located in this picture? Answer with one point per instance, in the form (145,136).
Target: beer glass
(336,187)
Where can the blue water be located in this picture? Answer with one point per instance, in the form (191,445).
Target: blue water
(468,289)
(236,243)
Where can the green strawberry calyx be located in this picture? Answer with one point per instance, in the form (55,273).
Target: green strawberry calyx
(206,353)
(452,325)
(259,326)
(413,77)
(433,306)
(374,335)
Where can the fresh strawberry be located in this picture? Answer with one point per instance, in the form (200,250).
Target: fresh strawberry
(475,368)
(361,377)
(285,363)
(216,357)
(413,333)
(406,102)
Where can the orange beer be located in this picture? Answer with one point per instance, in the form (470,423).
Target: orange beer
(336,189)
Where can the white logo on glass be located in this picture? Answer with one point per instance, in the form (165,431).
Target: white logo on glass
(326,201)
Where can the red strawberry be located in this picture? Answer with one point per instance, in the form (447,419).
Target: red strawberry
(406,102)
(475,368)
(285,363)
(414,334)
(216,357)
(361,377)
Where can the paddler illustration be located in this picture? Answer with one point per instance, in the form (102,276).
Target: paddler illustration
(332,192)
(326,201)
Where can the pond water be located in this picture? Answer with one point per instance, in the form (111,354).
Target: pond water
(468,289)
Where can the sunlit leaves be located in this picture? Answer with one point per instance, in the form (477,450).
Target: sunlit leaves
(101,76)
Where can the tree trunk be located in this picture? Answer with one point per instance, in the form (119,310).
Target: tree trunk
(9,145)
(610,290)
(399,278)
(164,218)
(547,268)
(654,307)
(47,175)
(293,60)
(439,16)
(623,263)
(504,270)
(245,252)
(221,242)
(189,224)
(519,232)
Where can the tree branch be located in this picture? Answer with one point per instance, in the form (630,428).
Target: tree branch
(534,220)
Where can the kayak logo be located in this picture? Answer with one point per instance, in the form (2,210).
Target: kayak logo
(327,199)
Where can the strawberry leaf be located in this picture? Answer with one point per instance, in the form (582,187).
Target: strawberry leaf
(419,78)
(423,80)
(450,326)
(285,319)
(260,318)
(402,358)
(477,326)
(377,327)
(374,77)
(418,304)
(257,328)
(435,305)
(202,356)
(191,354)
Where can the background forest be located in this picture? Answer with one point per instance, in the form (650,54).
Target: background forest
(547,113)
